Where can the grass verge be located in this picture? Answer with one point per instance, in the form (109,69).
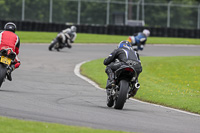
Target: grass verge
(9,125)
(169,81)
(47,37)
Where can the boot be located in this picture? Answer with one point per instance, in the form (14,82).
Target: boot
(108,91)
(110,81)
(9,77)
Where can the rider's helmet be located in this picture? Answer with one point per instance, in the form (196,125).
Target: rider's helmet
(73,28)
(124,44)
(146,32)
(10,27)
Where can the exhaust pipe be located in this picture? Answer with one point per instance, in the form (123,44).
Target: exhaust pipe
(133,91)
(137,85)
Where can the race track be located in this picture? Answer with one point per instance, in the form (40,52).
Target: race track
(45,88)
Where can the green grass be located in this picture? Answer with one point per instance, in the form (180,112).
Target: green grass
(8,125)
(36,37)
(46,37)
(169,81)
(171,40)
(95,70)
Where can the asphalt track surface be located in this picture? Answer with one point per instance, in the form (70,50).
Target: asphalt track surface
(45,88)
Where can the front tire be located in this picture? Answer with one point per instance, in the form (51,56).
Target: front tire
(52,45)
(3,71)
(122,95)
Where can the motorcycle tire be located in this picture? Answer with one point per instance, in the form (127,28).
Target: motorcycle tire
(122,95)
(3,71)
(52,45)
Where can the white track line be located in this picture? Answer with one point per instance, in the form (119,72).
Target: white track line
(77,72)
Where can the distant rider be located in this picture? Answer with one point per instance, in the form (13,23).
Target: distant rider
(120,56)
(67,36)
(138,40)
(8,39)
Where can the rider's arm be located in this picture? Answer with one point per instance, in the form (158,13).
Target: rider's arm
(143,40)
(17,61)
(73,38)
(142,43)
(17,46)
(110,58)
(138,56)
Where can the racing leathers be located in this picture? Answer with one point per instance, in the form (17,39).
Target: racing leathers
(66,37)
(10,40)
(119,57)
(138,41)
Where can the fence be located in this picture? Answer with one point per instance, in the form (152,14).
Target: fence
(154,13)
(107,29)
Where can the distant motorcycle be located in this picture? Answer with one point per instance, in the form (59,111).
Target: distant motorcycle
(125,86)
(7,57)
(57,44)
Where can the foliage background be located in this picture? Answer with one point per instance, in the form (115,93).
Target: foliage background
(94,11)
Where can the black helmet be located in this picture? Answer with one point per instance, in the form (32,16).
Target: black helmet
(10,27)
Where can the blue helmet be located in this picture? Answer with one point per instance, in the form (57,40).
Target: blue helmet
(124,44)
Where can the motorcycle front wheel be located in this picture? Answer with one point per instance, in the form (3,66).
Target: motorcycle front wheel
(52,45)
(3,71)
(122,95)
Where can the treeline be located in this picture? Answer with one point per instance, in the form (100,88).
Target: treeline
(183,13)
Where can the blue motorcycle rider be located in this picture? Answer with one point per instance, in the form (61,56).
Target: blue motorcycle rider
(138,41)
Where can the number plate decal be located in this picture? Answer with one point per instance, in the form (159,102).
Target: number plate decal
(5,60)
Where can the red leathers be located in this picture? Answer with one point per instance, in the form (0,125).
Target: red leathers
(9,39)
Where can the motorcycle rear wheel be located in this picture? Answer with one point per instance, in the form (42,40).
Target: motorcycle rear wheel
(3,71)
(122,95)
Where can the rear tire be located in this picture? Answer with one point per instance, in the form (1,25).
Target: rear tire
(122,96)
(3,71)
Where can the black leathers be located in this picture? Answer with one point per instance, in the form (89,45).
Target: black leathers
(123,55)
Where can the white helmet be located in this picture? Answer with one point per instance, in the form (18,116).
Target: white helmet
(73,28)
(146,32)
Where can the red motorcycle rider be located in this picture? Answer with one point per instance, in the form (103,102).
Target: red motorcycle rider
(8,39)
